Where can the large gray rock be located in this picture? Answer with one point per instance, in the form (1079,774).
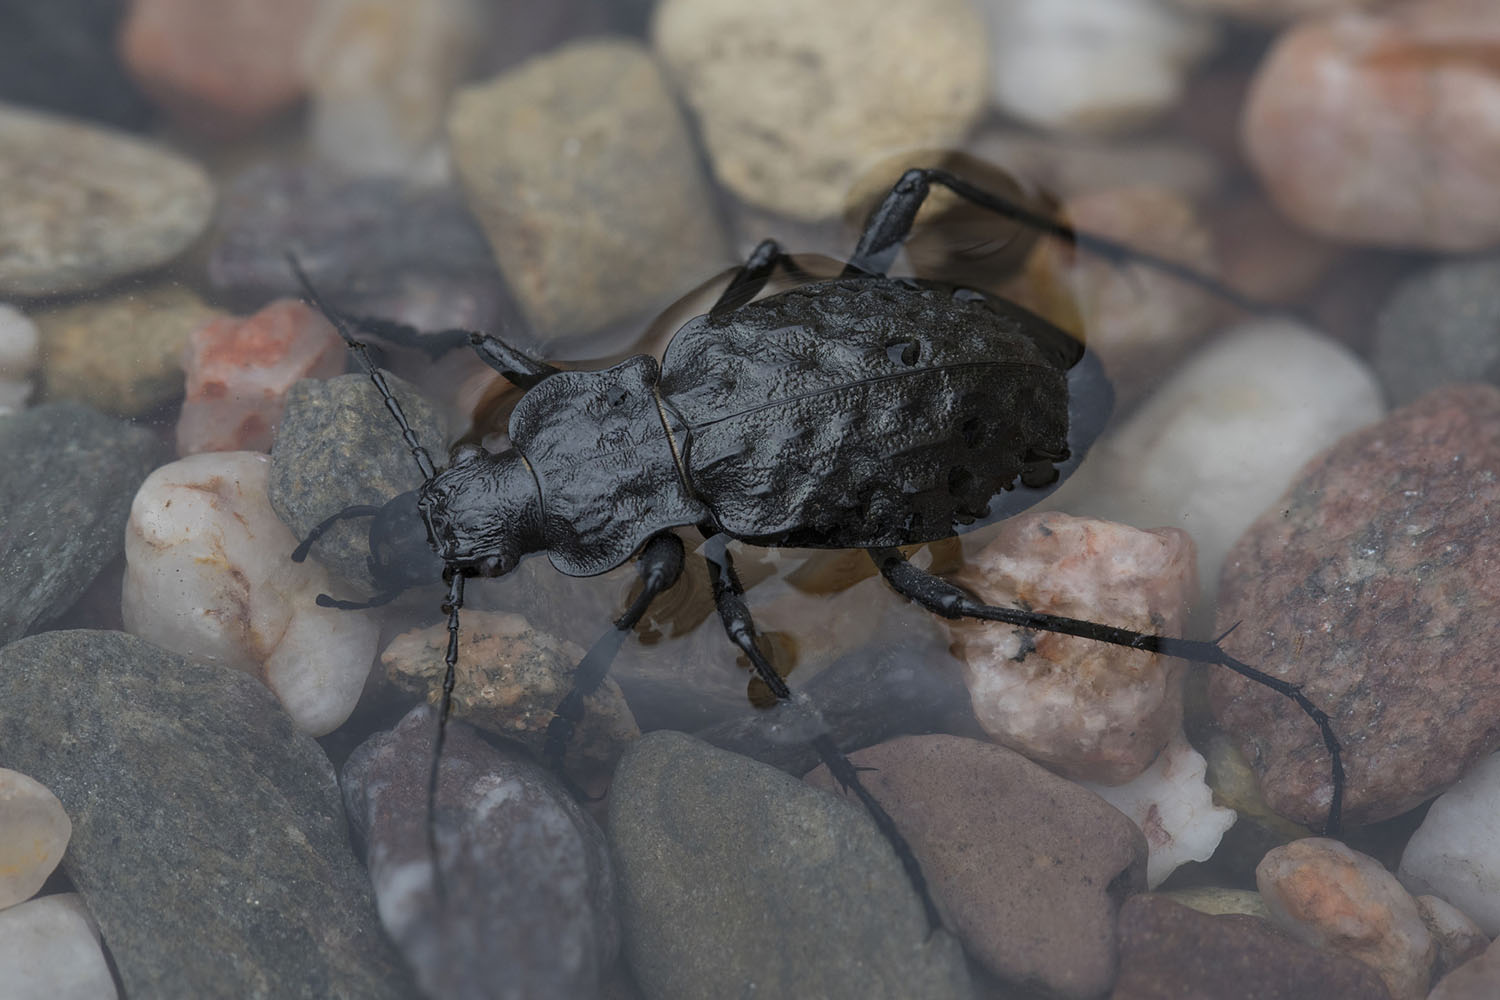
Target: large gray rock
(208,836)
(739,880)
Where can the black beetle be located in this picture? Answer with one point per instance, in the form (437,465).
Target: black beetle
(859,412)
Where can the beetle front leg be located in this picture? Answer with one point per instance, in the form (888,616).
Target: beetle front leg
(951,601)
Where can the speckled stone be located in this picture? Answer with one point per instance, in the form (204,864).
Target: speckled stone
(121,354)
(1332,897)
(579,166)
(1441,325)
(208,835)
(85,204)
(796,100)
(1029,870)
(1367,583)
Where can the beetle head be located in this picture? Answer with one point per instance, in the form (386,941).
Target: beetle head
(401,557)
(482,514)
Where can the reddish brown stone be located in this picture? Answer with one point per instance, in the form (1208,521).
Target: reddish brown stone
(1172,952)
(1373,581)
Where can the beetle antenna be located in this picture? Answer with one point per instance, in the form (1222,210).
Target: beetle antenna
(424,460)
(451,605)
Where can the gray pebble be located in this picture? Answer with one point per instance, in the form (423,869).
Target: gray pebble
(1442,325)
(738,880)
(65,491)
(84,204)
(208,836)
(528,912)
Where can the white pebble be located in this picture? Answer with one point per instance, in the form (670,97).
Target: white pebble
(49,950)
(18,358)
(1092,65)
(34,832)
(209,575)
(1174,807)
(1223,438)
(1455,853)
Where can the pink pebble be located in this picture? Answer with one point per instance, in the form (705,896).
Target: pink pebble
(239,371)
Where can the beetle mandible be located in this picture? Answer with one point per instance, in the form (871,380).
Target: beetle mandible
(862,411)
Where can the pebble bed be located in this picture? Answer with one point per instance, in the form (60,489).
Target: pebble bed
(211,786)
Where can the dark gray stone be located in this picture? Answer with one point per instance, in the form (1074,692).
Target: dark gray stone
(738,880)
(528,912)
(61,56)
(208,835)
(1441,325)
(337,446)
(65,490)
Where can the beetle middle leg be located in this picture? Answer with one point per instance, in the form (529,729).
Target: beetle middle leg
(951,601)
(729,598)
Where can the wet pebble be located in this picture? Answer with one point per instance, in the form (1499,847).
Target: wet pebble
(1092,65)
(1441,325)
(34,831)
(18,358)
(240,369)
(1028,869)
(1169,950)
(219,69)
(1455,853)
(1335,898)
(121,353)
(508,680)
(1368,583)
(65,491)
(85,204)
(209,575)
(1174,807)
(208,835)
(528,912)
(1478,979)
(1218,442)
(1458,938)
(61,56)
(1343,155)
(796,101)
(337,446)
(1085,709)
(812,903)
(49,950)
(579,167)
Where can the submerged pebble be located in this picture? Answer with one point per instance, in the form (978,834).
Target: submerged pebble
(34,831)
(1455,853)
(18,358)
(1439,326)
(49,950)
(209,575)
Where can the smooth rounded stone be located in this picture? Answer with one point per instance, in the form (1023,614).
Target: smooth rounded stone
(580,168)
(1069,165)
(219,69)
(1219,902)
(1085,709)
(18,358)
(1219,441)
(60,56)
(123,353)
(34,831)
(1138,319)
(1441,325)
(49,950)
(528,911)
(85,205)
(209,840)
(65,491)
(209,574)
(379,74)
(240,369)
(796,101)
(1477,979)
(1363,583)
(1092,65)
(1458,938)
(878,691)
(1332,897)
(1263,256)
(1028,869)
(1455,853)
(1174,807)
(734,875)
(1343,157)
(338,446)
(509,679)
(1168,950)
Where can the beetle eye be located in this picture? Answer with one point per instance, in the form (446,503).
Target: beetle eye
(466,453)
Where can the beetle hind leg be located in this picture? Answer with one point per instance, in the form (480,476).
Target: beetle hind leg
(951,601)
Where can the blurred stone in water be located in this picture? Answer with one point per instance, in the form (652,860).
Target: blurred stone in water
(18,358)
(1441,325)
(60,56)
